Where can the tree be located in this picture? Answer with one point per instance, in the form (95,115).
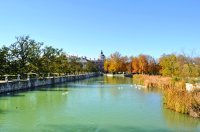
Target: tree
(135,65)
(51,60)
(91,67)
(153,67)
(63,64)
(143,64)
(25,51)
(106,65)
(168,64)
(115,63)
(124,63)
(74,65)
(129,65)
(4,60)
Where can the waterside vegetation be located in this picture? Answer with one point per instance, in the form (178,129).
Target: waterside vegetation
(170,65)
(170,73)
(29,56)
(175,95)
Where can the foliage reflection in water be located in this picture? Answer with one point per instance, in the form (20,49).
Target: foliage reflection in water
(97,104)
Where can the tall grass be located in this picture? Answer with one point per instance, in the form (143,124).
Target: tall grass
(152,81)
(175,96)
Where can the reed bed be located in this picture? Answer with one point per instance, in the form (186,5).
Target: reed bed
(175,95)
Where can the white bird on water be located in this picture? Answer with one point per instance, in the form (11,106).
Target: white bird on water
(65,93)
(120,88)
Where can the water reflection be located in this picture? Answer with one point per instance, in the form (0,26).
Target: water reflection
(34,99)
(97,104)
(117,80)
(152,90)
(176,120)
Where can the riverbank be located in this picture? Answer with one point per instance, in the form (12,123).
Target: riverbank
(11,86)
(175,94)
(110,104)
(118,75)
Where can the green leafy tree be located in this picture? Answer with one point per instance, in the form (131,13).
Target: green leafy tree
(168,64)
(26,52)
(74,65)
(4,60)
(50,59)
(91,67)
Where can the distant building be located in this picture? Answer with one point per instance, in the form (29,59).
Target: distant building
(83,60)
(100,62)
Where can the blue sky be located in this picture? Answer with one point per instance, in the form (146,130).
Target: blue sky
(85,27)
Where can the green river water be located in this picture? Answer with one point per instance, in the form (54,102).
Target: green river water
(100,104)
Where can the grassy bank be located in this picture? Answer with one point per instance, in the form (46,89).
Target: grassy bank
(175,96)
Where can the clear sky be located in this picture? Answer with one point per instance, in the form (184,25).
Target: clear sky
(85,27)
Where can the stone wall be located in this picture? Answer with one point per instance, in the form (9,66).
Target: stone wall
(11,86)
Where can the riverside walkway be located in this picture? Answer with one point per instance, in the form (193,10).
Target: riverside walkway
(18,84)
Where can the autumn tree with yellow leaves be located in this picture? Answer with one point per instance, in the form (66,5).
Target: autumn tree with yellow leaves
(116,63)
(167,65)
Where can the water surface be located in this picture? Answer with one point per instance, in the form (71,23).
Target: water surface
(100,104)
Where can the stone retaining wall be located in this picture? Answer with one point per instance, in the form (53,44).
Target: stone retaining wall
(11,86)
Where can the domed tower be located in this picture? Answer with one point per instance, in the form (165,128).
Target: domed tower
(101,62)
(102,56)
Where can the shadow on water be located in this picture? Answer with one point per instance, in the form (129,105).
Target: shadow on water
(18,93)
(12,94)
(95,128)
(53,90)
(83,86)
(3,111)
(88,83)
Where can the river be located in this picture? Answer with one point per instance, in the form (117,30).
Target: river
(102,104)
